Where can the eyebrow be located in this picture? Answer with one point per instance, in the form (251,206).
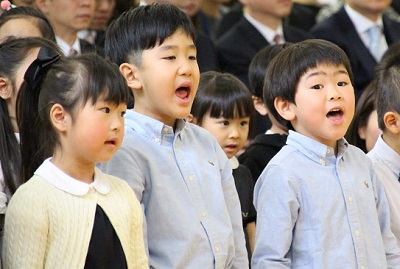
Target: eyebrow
(170,47)
(323,73)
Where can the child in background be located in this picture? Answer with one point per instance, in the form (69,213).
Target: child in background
(266,144)
(364,131)
(15,57)
(386,153)
(178,171)
(223,106)
(23,22)
(319,203)
(70,214)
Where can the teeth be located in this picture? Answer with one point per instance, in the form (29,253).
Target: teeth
(335,110)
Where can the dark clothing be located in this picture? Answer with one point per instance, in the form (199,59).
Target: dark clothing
(237,47)
(339,29)
(206,53)
(105,249)
(245,188)
(260,152)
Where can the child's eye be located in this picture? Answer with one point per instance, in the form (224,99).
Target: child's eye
(106,109)
(123,114)
(170,58)
(192,58)
(244,123)
(224,123)
(317,87)
(342,83)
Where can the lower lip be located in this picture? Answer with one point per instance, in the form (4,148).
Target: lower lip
(184,101)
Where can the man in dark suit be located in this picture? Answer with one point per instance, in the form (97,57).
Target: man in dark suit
(349,28)
(261,23)
(68,17)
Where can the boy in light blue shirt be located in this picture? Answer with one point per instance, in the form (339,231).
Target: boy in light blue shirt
(386,153)
(178,170)
(319,203)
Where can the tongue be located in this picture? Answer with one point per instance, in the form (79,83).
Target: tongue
(334,116)
(181,93)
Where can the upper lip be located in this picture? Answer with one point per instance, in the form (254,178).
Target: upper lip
(336,108)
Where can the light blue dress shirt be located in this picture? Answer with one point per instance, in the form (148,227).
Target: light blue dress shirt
(316,210)
(387,165)
(184,181)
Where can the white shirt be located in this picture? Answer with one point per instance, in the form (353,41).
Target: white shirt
(265,31)
(363,24)
(65,47)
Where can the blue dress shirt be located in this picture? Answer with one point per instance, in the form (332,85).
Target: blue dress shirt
(318,210)
(184,181)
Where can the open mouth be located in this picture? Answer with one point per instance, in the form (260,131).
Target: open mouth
(183,92)
(111,142)
(335,114)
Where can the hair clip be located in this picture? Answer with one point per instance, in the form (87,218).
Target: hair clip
(6,5)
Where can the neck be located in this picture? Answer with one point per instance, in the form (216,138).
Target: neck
(271,22)
(211,8)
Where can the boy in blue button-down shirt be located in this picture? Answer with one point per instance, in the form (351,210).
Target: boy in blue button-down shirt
(178,170)
(319,203)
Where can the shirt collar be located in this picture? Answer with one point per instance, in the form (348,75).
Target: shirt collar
(64,182)
(265,31)
(316,151)
(234,162)
(65,47)
(361,23)
(391,157)
(154,129)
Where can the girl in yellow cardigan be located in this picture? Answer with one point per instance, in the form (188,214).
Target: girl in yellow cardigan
(69,214)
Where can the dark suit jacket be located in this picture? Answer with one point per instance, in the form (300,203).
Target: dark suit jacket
(86,47)
(237,47)
(339,29)
(206,54)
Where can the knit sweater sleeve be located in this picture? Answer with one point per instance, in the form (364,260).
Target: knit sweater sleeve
(26,228)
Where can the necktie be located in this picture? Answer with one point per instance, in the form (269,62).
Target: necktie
(72,52)
(374,34)
(277,39)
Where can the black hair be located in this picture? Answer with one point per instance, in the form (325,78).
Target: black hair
(144,28)
(33,14)
(388,86)
(222,95)
(364,107)
(285,70)
(12,54)
(70,82)
(258,67)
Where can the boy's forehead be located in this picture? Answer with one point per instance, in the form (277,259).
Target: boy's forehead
(177,39)
(327,65)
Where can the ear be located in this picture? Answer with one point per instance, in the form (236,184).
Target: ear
(59,117)
(361,132)
(190,118)
(392,123)
(259,105)
(5,88)
(284,108)
(131,73)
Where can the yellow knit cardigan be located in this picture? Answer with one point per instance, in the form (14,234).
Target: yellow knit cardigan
(47,227)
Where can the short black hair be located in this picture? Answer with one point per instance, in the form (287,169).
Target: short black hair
(258,67)
(388,86)
(222,95)
(143,28)
(285,70)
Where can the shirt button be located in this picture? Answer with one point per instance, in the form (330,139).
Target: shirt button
(165,130)
(157,140)
(216,249)
(321,161)
(362,267)
(203,214)
(350,199)
(328,151)
(357,233)
(190,178)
